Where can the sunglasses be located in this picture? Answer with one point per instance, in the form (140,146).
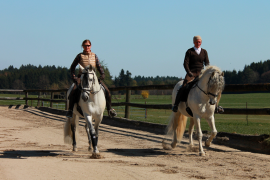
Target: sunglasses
(86,45)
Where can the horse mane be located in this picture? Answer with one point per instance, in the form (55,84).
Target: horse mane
(218,80)
(209,69)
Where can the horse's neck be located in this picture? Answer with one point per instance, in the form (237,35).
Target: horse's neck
(96,88)
(203,84)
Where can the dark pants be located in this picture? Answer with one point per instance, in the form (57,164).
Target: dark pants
(186,80)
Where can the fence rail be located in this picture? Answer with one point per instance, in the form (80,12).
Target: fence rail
(265,87)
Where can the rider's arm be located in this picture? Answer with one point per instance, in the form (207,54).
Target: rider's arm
(99,68)
(206,60)
(186,63)
(73,66)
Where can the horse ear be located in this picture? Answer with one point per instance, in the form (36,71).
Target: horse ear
(222,74)
(213,73)
(91,67)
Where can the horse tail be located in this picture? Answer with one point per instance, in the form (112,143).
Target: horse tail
(176,126)
(68,134)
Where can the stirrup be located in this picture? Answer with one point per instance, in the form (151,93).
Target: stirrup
(175,108)
(69,114)
(219,110)
(112,113)
(189,111)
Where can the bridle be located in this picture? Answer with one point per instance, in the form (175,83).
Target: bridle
(208,93)
(90,90)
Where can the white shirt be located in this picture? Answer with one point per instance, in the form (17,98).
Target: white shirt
(198,50)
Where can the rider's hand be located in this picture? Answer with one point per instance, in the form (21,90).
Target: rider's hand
(74,79)
(190,74)
(102,76)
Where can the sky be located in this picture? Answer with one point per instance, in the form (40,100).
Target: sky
(145,37)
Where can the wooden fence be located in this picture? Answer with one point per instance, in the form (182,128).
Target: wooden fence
(39,99)
(228,88)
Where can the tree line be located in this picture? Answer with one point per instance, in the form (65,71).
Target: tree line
(254,73)
(51,77)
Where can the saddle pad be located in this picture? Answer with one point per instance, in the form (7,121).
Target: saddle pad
(187,89)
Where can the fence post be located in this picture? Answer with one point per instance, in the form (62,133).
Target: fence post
(51,103)
(247,114)
(66,108)
(145,111)
(38,103)
(128,94)
(26,96)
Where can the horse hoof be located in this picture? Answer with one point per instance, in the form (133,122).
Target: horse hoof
(207,144)
(75,149)
(173,145)
(202,153)
(96,156)
(89,148)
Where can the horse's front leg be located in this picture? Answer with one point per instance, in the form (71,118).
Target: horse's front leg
(190,131)
(211,122)
(98,120)
(89,137)
(92,132)
(199,133)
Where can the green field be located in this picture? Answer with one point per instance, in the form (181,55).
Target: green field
(242,124)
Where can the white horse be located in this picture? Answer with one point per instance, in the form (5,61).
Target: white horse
(92,102)
(202,99)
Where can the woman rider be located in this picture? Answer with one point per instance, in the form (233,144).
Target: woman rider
(194,62)
(84,59)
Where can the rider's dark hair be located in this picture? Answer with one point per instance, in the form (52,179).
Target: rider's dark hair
(87,40)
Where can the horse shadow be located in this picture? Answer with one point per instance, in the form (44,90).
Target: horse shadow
(138,152)
(23,154)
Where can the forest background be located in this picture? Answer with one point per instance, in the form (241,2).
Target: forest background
(51,77)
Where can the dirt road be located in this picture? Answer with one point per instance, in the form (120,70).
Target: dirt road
(32,147)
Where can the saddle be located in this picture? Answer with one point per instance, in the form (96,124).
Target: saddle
(187,88)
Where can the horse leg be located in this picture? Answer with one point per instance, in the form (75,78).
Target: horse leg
(211,122)
(175,125)
(190,131)
(199,134)
(89,137)
(96,126)
(73,129)
(92,133)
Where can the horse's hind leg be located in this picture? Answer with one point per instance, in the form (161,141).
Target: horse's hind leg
(190,132)
(89,137)
(175,125)
(73,129)
(211,122)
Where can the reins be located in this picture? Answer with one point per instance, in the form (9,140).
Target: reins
(208,93)
(88,89)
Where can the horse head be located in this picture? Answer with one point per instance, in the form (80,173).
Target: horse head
(215,86)
(88,81)
(215,83)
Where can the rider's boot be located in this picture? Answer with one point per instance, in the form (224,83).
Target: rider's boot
(219,110)
(177,99)
(178,96)
(111,111)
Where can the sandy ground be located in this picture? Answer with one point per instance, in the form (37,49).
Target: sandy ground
(32,147)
